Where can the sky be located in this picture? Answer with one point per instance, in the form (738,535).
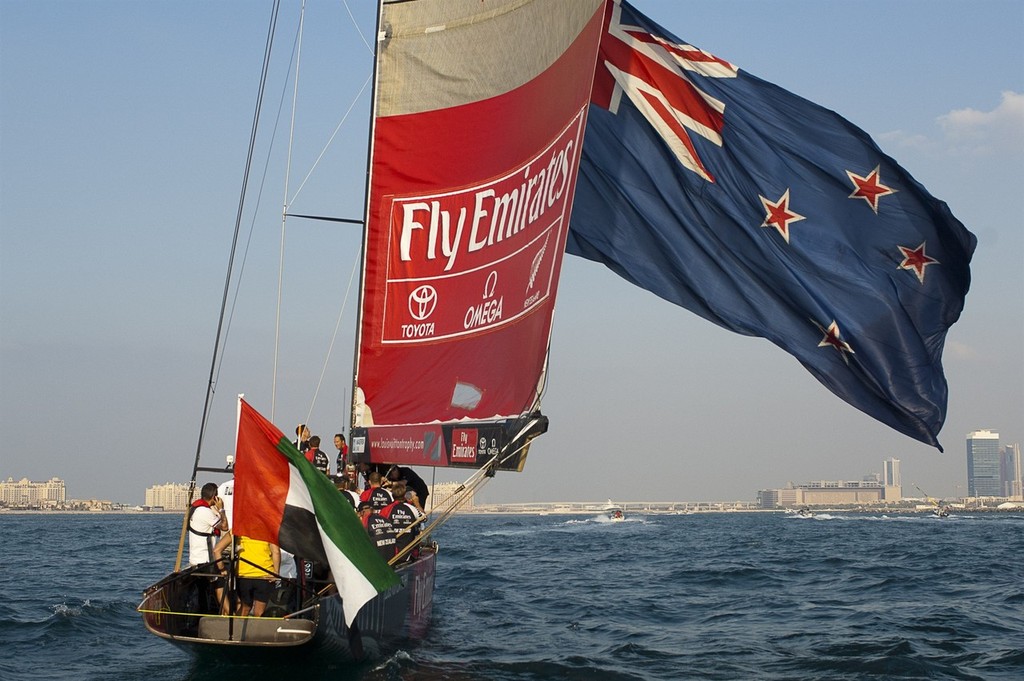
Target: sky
(123,134)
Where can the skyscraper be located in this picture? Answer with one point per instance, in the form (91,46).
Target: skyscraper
(891,480)
(1012,473)
(983,479)
(891,474)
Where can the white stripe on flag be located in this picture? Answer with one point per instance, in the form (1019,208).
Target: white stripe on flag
(354,588)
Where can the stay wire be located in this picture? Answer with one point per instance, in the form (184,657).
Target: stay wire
(268,49)
(257,202)
(334,338)
(284,217)
(234,240)
(457,499)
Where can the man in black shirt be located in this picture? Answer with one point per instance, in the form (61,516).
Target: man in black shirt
(317,457)
(412,481)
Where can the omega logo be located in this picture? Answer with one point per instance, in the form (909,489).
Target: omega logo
(490,285)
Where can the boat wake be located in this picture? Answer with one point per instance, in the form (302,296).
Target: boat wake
(915,518)
(604,520)
(519,532)
(395,664)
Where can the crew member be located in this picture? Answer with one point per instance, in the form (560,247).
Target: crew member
(404,517)
(258,566)
(317,457)
(206,521)
(378,496)
(342,446)
(381,532)
(412,481)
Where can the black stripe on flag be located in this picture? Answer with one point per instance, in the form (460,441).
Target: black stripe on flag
(300,535)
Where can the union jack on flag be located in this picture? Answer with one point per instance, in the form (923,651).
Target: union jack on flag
(770,216)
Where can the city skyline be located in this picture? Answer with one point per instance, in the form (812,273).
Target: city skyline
(889,476)
(125,130)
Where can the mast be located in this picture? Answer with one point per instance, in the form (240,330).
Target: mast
(366,221)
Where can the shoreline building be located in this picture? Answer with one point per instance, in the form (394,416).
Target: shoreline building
(27,494)
(891,480)
(983,469)
(170,496)
(872,489)
(441,491)
(1012,472)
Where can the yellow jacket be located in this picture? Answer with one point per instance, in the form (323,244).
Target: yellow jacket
(261,553)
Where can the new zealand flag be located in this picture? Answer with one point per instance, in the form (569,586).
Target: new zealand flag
(770,216)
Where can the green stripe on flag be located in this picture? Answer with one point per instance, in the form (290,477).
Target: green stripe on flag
(341,525)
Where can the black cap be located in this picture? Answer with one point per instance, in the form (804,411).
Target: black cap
(364,504)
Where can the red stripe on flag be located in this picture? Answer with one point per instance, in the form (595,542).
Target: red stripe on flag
(261,477)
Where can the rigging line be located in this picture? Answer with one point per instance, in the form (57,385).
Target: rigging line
(330,348)
(227,278)
(284,212)
(542,383)
(258,202)
(544,379)
(456,500)
(348,221)
(355,24)
(478,479)
(238,222)
(411,546)
(331,139)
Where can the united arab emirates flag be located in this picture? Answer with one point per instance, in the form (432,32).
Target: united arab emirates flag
(281,498)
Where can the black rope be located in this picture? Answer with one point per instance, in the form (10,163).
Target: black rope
(348,221)
(234,241)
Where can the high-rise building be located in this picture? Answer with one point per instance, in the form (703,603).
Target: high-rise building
(983,479)
(1012,474)
(27,494)
(171,496)
(891,479)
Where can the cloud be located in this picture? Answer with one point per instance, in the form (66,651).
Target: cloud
(960,350)
(987,132)
(899,138)
(969,132)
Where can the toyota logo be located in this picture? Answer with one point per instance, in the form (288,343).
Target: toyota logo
(422,302)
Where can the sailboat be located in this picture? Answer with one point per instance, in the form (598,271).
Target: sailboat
(693,184)
(464,232)
(940,509)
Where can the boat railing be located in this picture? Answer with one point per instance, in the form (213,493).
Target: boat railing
(179,604)
(185,608)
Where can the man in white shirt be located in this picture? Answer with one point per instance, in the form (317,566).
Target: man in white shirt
(206,522)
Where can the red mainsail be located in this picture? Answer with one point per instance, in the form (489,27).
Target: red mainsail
(476,145)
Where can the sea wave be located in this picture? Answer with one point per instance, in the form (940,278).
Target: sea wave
(530,598)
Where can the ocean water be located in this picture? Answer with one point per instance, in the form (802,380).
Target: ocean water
(529,598)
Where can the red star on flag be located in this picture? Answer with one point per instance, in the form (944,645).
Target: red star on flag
(778,215)
(916,259)
(832,340)
(869,188)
